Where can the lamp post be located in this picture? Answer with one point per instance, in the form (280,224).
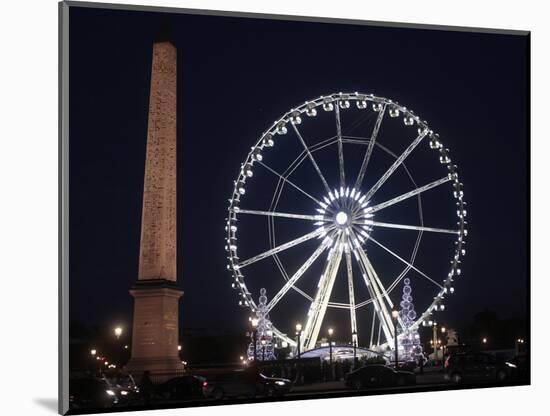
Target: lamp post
(330,332)
(254,334)
(263,342)
(394,316)
(354,339)
(434,339)
(93,353)
(443,340)
(298,335)
(118,355)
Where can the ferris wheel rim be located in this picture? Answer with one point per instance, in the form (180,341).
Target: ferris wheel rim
(295,113)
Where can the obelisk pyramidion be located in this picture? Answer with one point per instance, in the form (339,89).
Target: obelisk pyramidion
(156,294)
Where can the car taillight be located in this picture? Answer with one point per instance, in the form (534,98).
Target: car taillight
(205,383)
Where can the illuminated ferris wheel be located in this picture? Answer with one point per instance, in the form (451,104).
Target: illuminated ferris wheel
(343,219)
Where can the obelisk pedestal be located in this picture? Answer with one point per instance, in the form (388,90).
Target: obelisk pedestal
(156,294)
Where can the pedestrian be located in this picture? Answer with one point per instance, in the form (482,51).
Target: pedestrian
(421,363)
(337,371)
(252,378)
(146,387)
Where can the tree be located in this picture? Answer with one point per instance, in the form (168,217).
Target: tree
(410,348)
(264,332)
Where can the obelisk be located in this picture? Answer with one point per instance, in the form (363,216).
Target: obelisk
(156,294)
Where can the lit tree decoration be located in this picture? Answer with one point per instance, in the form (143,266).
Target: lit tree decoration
(264,334)
(410,348)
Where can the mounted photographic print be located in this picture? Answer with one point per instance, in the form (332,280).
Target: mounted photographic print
(267,208)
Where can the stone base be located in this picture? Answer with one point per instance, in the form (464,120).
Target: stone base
(155,366)
(155,336)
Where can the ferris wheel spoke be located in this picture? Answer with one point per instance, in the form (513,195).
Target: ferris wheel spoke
(370,278)
(404,261)
(310,155)
(384,292)
(396,164)
(353,317)
(370,148)
(319,305)
(292,281)
(282,247)
(340,147)
(280,214)
(303,155)
(371,223)
(407,195)
(289,182)
(372,327)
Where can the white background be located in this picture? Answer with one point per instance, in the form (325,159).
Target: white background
(28,202)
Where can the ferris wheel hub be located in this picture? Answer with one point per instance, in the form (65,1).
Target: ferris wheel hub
(342,218)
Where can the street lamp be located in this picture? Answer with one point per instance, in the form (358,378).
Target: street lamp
(330,332)
(298,334)
(118,332)
(254,322)
(394,316)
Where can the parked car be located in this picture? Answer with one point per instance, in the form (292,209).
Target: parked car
(181,388)
(472,367)
(378,375)
(92,392)
(519,368)
(248,382)
(125,387)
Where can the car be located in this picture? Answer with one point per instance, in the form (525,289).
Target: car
(181,388)
(92,392)
(248,383)
(125,387)
(519,368)
(379,375)
(475,367)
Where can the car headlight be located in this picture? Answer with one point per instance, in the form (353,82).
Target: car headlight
(124,392)
(280,383)
(110,392)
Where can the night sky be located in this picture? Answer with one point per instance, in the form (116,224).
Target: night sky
(238,75)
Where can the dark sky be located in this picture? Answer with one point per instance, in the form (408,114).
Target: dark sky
(235,77)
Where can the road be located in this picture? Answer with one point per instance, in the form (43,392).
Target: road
(432,379)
